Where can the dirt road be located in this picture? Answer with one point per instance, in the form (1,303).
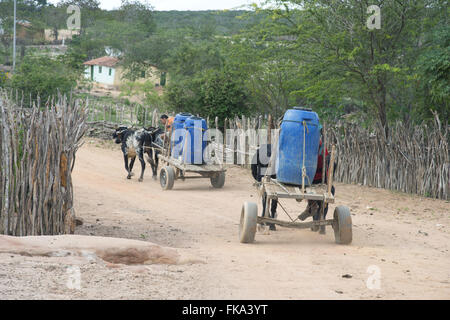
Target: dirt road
(401,240)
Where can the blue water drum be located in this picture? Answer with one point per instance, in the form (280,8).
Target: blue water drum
(178,133)
(295,144)
(195,140)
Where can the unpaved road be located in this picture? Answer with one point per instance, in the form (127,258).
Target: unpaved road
(406,238)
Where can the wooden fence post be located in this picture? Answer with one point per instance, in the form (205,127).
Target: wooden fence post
(269,130)
(145,117)
(131,110)
(38,204)
(224,145)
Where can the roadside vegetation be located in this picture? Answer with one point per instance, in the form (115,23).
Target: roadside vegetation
(262,60)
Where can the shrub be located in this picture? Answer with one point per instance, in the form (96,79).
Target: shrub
(44,77)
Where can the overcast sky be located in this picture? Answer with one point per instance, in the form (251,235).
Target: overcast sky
(182,5)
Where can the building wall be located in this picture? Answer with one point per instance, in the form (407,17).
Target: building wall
(151,75)
(62,33)
(103,76)
(115,79)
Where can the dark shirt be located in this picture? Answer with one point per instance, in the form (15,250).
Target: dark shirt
(318,175)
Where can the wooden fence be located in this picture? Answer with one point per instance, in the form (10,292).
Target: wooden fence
(414,159)
(129,115)
(38,147)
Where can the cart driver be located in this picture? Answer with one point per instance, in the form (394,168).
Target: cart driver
(315,206)
(167,122)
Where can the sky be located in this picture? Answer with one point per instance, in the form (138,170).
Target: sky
(182,5)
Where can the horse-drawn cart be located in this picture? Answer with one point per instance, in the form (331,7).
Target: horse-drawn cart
(270,189)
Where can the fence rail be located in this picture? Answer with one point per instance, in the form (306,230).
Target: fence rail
(131,115)
(38,147)
(414,159)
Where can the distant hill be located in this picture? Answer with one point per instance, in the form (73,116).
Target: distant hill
(222,22)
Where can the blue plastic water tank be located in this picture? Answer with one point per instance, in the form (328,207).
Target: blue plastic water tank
(178,133)
(290,146)
(195,144)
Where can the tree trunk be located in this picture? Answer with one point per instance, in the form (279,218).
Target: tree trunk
(381,104)
(55,33)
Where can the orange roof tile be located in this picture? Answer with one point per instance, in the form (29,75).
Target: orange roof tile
(103,61)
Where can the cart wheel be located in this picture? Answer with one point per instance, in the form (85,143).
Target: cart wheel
(342,225)
(247,226)
(218,180)
(167,177)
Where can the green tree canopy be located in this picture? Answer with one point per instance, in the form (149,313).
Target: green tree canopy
(342,59)
(44,77)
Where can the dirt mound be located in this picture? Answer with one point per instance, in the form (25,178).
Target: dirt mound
(112,250)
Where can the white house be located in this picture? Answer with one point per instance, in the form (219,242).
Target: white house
(102,70)
(108,71)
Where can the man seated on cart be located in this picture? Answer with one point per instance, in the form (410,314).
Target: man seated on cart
(167,122)
(314,206)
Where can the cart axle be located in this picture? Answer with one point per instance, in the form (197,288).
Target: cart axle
(296,225)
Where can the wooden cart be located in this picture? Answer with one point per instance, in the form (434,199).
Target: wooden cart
(174,169)
(274,190)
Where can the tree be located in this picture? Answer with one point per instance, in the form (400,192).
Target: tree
(433,74)
(146,91)
(44,77)
(222,94)
(211,93)
(268,68)
(137,13)
(340,54)
(55,18)
(6,27)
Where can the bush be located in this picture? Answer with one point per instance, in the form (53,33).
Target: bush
(3,78)
(223,95)
(212,93)
(44,77)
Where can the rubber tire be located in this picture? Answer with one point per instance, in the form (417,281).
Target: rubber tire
(218,181)
(247,225)
(342,225)
(167,178)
